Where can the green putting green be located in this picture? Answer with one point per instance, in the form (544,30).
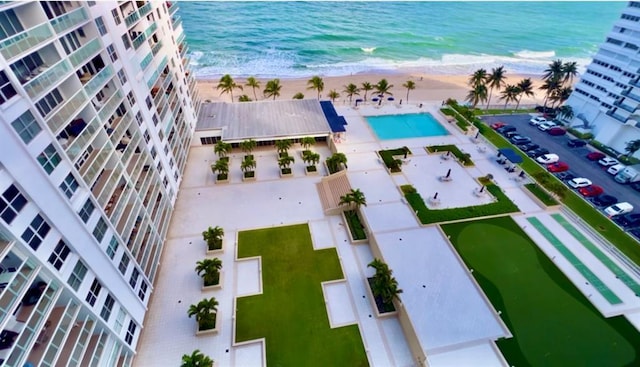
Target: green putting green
(552,323)
(291,314)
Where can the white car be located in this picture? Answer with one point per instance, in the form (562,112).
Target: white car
(608,161)
(544,126)
(548,158)
(537,120)
(618,209)
(579,182)
(613,170)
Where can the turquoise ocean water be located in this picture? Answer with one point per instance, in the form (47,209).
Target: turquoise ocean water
(300,39)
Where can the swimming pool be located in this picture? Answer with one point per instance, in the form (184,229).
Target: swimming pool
(413,125)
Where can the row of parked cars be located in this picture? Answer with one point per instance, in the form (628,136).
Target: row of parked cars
(619,211)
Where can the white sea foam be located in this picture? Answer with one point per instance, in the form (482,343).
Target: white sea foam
(368,50)
(526,54)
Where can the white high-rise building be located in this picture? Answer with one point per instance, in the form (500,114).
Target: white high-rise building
(607,97)
(97,111)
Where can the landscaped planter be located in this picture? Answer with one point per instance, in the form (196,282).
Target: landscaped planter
(348,223)
(213,251)
(214,286)
(286,172)
(249,176)
(311,170)
(210,331)
(220,179)
(376,303)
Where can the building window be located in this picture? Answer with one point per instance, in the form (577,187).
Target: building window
(113,247)
(154,118)
(100,230)
(49,102)
(116,16)
(11,204)
(26,126)
(59,255)
(86,210)
(101,28)
(76,277)
(9,24)
(69,186)
(146,136)
(112,53)
(94,292)
(131,332)
(7,91)
(117,326)
(148,102)
(122,77)
(134,278)
(131,99)
(36,232)
(139,118)
(125,41)
(153,152)
(107,308)
(49,159)
(124,263)
(142,293)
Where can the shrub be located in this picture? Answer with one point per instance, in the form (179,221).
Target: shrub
(580,135)
(541,194)
(464,158)
(355,225)
(389,160)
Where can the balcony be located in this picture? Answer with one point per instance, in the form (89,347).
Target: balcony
(180,38)
(69,20)
(24,41)
(68,110)
(81,55)
(633,96)
(131,18)
(110,106)
(139,40)
(46,79)
(119,125)
(146,61)
(145,9)
(98,81)
(176,21)
(173,7)
(156,48)
(77,145)
(617,116)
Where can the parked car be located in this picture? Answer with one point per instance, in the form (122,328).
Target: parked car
(528,146)
(628,220)
(537,120)
(608,161)
(556,131)
(635,186)
(548,158)
(557,167)
(576,143)
(579,182)
(594,156)
(590,191)
(544,126)
(519,139)
(537,152)
(565,176)
(635,232)
(510,134)
(613,170)
(505,129)
(497,125)
(618,209)
(604,200)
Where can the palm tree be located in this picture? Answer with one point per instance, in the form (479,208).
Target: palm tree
(510,94)
(298,95)
(213,236)
(307,142)
(222,149)
(383,87)
(410,85)
(248,164)
(283,146)
(334,162)
(316,83)
(550,86)
(358,198)
(632,147)
(560,96)
(227,85)
(477,95)
(569,71)
(366,86)
(285,162)
(377,265)
(333,94)
(196,359)
(553,71)
(221,167)
(209,269)
(351,90)
(479,77)
(244,98)
(496,80)
(253,83)
(346,199)
(565,112)
(311,158)
(248,146)
(272,89)
(384,285)
(526,88)
(205,313)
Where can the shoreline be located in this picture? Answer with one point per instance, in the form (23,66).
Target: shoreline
(428,87)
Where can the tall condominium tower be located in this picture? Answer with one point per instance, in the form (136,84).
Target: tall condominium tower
(97,110)
(607,97)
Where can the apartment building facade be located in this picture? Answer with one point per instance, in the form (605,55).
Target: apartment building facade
(97,111)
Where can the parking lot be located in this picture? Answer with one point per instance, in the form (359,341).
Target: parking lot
(579,165)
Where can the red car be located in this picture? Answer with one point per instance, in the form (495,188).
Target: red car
(591,191)
(556,131)
(557,167)
(595,156)
(497,125)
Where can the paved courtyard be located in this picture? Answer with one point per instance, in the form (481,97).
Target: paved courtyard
(424,255)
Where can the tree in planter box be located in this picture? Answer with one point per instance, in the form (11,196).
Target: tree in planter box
(222,149)
(311,159)
(196,359)
(383,286)
(283,147)
(248,165)
(355,197)
(334,162)
(209,269)
(306,143)
(205,313)
(213,236)
(248,146)
(222,168)
(284,163)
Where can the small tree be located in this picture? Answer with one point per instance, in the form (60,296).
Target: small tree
(333,95)
(196,359)
(351,90)
(311,159)
(227,85)
(272,89)
(316,83)
(244,98)
(253,83)
(209,270)
(298,95)
(213,236)
(410,85)
(366,86)
(205,313)
(283,146)
(222,149)
(221,167)
(285,162)
(248,146)
(334,162)
(307,142)
(248,165)
(384,285)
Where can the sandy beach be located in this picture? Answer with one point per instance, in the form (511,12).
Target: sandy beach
(429,88)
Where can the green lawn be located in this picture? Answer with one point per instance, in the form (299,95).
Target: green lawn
(291,314)
(552,322)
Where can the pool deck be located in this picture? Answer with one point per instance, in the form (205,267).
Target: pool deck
(271,201)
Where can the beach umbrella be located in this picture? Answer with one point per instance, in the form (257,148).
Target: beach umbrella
(448,173)
(374,99)
(358,101)
(390,98)
(435,196)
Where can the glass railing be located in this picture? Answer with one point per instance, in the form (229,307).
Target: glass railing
(176,21)
(122,125)
(132,18)
(79,143)
(153,79)
(146,61)
(108,188)
(13,293)
(97,82)
(69,20)
(180,38)
(24,41)
(46,79)
(152,28)
(69,109)
(144,10)
(80,56)
(110,106)
(139,41)
(173,7)
(156,48)
(96,165)
(58,338)
(184,51)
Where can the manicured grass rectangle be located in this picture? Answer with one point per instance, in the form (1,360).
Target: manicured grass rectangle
(553,324)
(541,194)
(464,158)
(291,314)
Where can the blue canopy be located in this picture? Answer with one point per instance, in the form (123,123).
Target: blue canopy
(336,122)
(512,156)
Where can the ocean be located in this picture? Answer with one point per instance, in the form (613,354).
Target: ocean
(301,39)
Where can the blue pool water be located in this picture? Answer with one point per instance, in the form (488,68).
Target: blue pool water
(414,125)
